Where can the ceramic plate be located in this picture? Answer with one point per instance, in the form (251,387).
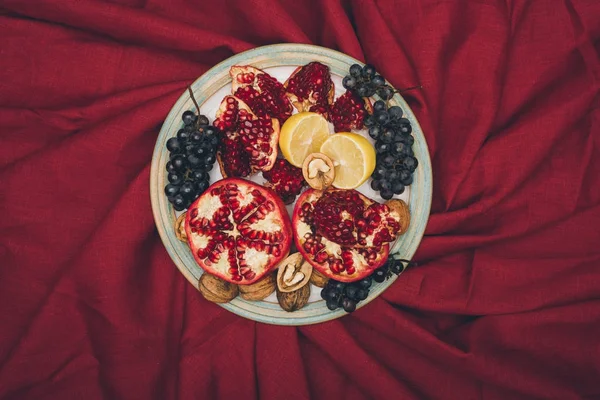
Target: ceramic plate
(280,61)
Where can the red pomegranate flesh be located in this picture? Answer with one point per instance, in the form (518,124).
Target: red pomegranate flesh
(264,94)
(349,112)
(285,179)
(248,143)
(310,88)
(238,230)
(342,233)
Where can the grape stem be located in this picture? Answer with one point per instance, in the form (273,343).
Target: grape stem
(195,103)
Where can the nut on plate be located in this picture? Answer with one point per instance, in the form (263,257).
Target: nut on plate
(318,279)
(318,171)
(293,273)
(400,207)
(259,290)
(180,228)
(216,289)
(293,301)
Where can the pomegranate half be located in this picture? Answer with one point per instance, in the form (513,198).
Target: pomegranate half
(342,233)
(238,230)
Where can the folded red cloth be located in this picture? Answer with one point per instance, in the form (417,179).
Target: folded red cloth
(505,303)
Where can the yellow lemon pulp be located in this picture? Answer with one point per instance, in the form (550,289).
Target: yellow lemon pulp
(303,133)
(354,157)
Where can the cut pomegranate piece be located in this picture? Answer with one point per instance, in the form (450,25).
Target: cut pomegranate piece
(349,112)
(238,230)
(343,234)
(248,143)
(286,180)
(310,88)
(264,94)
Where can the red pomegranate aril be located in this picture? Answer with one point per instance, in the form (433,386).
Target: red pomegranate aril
(349,112)
(263,93)
(310,88)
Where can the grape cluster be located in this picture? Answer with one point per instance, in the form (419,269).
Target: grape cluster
(365,82)
(396,161)
(348,295)
(192,155)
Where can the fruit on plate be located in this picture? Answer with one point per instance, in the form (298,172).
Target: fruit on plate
(249,143)
(349,112)
(285,179)
(365,82)
(354,156)
(310,88)
(344,234)
(192,154)
(238,230)
(396,161)
(318,171)
(264,94)
(302,134)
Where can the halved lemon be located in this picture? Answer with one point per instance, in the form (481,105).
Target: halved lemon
(303,133)
(355,158)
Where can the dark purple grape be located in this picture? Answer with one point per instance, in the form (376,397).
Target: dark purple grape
(387,136)
(379,105)
(203,120)
(356,70)
(170,167)
(397,188)
(378,173)
(410,163)
(382,117)
(202,185)
(175,179)
(196,137)
(408,180)
(194,160)
(395,112)
(187,190)
(178,202)
(349,305)
(386,194)
(173,145)
(362,294)
(378,81)
(379,275)
(183,135)
(171,190)
(349,82)
(369,121)
(404,126)
(368,72)
(363,91)
(189,117)
(385,92)
(375,131)
(376,185)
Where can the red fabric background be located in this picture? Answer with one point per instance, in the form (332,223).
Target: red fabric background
(504,305)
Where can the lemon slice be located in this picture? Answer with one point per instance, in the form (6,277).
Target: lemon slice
(355,156)
(303,133)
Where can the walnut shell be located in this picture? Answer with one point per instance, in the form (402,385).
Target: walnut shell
(293,273)
(400,207)
(180,228)
(318,279)
(318,171)
(258,290)
(216,289)
(293,301)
